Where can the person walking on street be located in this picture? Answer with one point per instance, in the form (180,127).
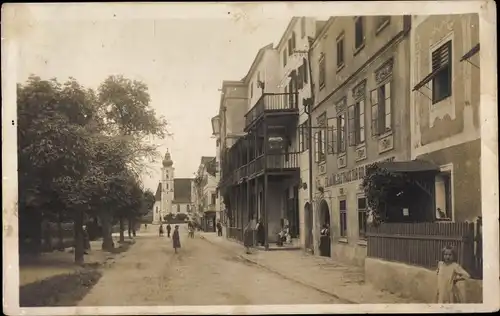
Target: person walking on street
(161,230)
(219,229)
(169,229)
(248,238)
(176,241)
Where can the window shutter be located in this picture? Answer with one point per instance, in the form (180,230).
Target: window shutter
(374,118)
(323,142)
(330,137)
(351,115)
(305,69)
(441,56)
(316,147)
(300,76)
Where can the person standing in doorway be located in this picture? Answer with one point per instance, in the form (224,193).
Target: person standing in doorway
(169,229)
(176,240)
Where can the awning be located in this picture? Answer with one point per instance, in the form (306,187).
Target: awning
(474,50)
(409,166)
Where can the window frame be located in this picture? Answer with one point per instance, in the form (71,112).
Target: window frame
(341,132)
(341,40)
(445,70)
(322,71)
(362,221)
(377,117)
(360,45)
(343,226)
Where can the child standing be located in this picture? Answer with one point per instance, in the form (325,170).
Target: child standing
(176,239)
(449,272)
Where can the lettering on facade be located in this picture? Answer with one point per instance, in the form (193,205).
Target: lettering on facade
(354,174)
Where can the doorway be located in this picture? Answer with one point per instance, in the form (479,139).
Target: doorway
(325,240)
(308,218)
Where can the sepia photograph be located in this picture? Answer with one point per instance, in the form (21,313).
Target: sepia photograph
(246,158)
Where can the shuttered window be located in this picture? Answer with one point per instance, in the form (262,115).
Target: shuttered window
(442,69)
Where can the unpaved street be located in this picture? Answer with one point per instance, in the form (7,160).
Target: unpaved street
(200,274)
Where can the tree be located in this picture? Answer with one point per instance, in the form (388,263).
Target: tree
(129,115)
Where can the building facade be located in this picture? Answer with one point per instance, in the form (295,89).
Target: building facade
(360,71)
(206,194)
(261,176)
(445,103)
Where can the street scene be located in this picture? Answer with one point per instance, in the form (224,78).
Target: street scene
(332,160)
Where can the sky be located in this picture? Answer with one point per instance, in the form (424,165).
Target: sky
(183,62)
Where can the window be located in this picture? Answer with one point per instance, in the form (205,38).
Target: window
(362,217)
(303,27)
(444,207)
(441,67)
(304,136)
(167,186)
(381,109)
(178,208)
(357,123)
(291,44)
(251,89)
(381,21)
(332,136)
(340,133)
(320,138)
(214,198)
(340,51)
(322,72)
(284,58)
(343,218)
(359,39)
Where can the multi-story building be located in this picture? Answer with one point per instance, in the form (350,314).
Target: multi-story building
(361,114)
(445,102)
(206,193)
(261,172)
(228,127)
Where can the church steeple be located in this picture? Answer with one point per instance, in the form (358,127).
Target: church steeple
(167,160)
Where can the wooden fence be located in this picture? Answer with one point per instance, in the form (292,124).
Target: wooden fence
(421,244)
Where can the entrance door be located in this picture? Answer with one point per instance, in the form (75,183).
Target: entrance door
(308,226)
(292,205)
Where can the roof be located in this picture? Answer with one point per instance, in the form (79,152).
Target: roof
(182,190)
(158,193)
(409,166)
(287,30)
(257,59)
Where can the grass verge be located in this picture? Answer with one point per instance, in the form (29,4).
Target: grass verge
(59,290)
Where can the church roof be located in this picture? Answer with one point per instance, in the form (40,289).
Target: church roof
(182,190)
(158,193)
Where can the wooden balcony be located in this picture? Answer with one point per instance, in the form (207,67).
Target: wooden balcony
(274,164)
(273,104)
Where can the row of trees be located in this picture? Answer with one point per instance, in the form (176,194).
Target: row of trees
(81,152)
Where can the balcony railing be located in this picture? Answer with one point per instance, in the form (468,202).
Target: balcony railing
(283,161)
(255,166)
(272,102)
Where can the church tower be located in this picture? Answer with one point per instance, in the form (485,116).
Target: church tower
(167,194)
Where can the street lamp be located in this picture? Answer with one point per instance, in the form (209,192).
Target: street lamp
(216,126)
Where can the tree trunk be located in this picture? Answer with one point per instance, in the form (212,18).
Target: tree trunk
(107,233)
(129,224)
(133,227)
(78,228)
(60,245)
(122,228)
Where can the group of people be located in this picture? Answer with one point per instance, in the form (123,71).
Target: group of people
(176,241)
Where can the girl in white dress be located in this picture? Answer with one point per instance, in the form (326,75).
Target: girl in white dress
(449,272)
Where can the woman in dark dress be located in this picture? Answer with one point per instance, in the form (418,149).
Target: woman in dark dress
(176,239)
